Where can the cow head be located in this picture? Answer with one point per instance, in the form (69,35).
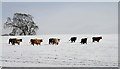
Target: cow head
(21,40)
(58,39)
(101,37)
(41,40)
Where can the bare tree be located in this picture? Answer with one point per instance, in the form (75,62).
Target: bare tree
(21,24)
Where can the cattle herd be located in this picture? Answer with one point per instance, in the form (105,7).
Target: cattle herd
(53,41)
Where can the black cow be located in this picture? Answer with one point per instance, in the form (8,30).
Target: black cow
(73,39)
(51,40)
(11,40)
(14,40)
(83,41)
(96,39)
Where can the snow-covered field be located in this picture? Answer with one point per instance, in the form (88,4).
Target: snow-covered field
(66,54)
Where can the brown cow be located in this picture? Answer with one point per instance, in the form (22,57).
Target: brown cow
(15,40)
(36,41)
(54,41)
(96,39)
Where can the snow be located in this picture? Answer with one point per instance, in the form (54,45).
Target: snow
(66,54)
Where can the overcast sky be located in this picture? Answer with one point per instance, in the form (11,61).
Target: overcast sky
(67,17)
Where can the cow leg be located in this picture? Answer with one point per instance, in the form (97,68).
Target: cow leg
(12,44)
(49,42)
(9,42)
(81,42)
(18,43)
(53,43)
(32,43)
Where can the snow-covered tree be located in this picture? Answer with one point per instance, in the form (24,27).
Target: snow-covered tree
(21,24)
